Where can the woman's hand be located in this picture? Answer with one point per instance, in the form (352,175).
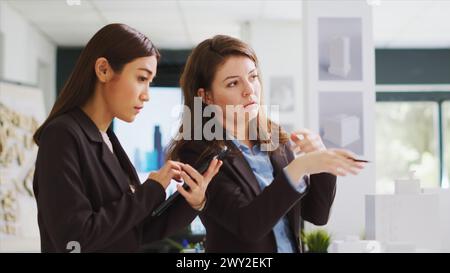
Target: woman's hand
(197,183)
(315,158)
(170,170)
(335,161)
(306,141)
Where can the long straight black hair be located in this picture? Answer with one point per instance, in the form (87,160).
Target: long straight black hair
(119,44)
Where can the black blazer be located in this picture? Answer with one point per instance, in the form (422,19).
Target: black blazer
(83,194)
(239,217)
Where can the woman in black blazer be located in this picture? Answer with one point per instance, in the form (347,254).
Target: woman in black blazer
(88,194)
(262,191)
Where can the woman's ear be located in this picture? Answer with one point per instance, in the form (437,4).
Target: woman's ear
(206,96)
(103,70)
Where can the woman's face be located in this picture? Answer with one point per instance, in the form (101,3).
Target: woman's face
(127,91)
(236,84)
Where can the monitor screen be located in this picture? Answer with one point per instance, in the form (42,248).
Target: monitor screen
(145,140)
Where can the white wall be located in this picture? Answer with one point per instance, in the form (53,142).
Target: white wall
(289,48)
(27,55)
(348,213)
(278,45)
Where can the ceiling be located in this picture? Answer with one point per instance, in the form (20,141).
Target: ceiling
(184,23)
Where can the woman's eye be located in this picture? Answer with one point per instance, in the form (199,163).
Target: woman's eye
(142,79)
(232,84)
(254,77)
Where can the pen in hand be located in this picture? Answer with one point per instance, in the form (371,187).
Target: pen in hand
(359,160)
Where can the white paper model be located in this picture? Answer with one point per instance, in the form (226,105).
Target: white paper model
(394,219)
(352,244)
(339,50)
(341,130)
(410,185)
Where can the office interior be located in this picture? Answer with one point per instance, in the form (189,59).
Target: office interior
(371,76)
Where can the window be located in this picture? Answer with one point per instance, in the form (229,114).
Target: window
(406,140)
(446,122)
(412,134)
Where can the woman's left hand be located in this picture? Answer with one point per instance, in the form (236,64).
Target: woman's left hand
(197,183)
(306,141)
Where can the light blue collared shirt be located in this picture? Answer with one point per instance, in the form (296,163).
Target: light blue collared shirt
(261,166)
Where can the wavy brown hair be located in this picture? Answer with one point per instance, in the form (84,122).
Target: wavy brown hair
(119,44)
(199,72)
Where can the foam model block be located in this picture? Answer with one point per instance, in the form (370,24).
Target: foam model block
(339,50)
(341,130)
(409,219)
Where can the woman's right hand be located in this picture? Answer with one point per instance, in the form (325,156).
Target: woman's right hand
(335,161)
(170,170)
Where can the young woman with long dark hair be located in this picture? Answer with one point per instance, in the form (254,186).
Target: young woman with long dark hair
(88,192)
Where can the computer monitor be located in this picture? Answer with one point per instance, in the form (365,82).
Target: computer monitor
(145,140)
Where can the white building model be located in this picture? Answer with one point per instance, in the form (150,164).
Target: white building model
(339,50)
(342,129)
(410,220)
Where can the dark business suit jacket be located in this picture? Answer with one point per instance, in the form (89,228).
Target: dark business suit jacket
(83,194)
(239,217)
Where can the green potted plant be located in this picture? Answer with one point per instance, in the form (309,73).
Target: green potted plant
(316,241)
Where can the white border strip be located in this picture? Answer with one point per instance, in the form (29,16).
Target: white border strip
(413,87)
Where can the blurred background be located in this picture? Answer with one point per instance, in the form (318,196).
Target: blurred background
(372,76)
